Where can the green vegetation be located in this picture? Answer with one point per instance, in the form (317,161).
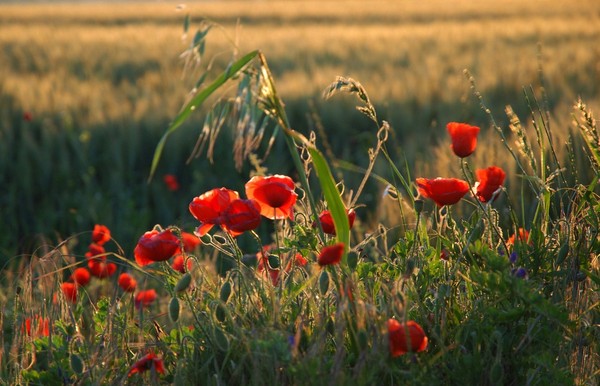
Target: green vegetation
(81,118)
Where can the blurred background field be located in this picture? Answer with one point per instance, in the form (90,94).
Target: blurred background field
(86,90)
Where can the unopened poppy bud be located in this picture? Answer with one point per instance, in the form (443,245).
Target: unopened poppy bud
(323,282)
(76,363)
(183,283)
(174,309)
(225,292)
(418,206)
(273,261)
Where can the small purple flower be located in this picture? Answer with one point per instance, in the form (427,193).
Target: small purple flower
(513,257)
(520,272)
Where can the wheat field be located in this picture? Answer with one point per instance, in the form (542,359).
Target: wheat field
(115,68)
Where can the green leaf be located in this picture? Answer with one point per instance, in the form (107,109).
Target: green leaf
(334,200)
(232,71)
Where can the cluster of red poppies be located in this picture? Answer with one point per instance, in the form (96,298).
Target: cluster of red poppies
(272,197)
(448,191)
(97,264)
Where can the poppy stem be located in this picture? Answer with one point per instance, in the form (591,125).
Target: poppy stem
(465,168)
(283,121)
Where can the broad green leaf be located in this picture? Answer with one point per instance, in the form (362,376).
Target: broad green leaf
(231,71)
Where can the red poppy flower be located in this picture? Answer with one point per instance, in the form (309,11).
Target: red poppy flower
(95,250)
(156,246)
(523,235)
(327,221)
(171,182)
(241,216)
(145,298)
(127,282)
(80,276)
(178,264)
(190,241)
(100,234)
(27,116)
(331,254)
(70,291)
(443,191)
(490,180)
(464,138)
(275,195)
(209,207)
(147,362)
(398,334)
(43,326)
(101,269)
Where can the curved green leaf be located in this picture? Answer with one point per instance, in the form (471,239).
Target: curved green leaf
(333,198)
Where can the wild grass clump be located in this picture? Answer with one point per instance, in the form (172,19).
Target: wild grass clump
(289,278)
